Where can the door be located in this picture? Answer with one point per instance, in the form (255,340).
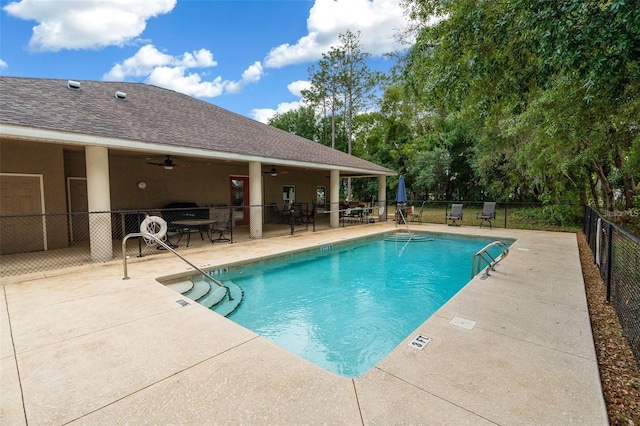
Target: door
(78,203)
(240,199)
(321,198)
(21,196)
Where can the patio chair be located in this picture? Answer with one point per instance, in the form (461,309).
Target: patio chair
(224,224)
(347,215)
(417,216)
(488,213)
(309,216)
(298,214)
(401,213)
(287,212)
(454,215)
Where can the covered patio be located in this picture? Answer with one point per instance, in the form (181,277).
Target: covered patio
(71,147)
(78,253)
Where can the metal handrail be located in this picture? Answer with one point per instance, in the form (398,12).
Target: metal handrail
(166,246)
(484,255)
(404,219)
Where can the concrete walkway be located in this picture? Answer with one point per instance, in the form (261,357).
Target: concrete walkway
(86,347)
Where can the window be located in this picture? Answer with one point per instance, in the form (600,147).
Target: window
(288,194)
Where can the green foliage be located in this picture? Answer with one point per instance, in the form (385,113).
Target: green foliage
(550,215)
(431,169)
(301,122)
(552,88)
(522,100)
(341,87)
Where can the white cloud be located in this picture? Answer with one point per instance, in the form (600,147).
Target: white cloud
(86,24)
(377,21)
(175,72)
(250,75)
(264,114)
(147,58)
(297,87)
(176,78)
(3,64)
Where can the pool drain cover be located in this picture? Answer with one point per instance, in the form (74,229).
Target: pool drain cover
(463,323)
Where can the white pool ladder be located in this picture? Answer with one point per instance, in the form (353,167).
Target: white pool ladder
(484,257)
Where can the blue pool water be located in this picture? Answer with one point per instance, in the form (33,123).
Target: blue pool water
(347,306)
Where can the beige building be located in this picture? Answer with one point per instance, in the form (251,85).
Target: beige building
(88,146)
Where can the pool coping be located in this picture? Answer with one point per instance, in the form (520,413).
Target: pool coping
(90,349)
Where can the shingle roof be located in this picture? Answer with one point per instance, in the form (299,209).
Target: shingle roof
(157,115)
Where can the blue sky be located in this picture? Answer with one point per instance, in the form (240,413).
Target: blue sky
(251,57)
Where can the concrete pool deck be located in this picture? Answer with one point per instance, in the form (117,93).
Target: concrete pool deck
(86,347)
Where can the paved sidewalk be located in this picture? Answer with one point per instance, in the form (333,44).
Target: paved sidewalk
(86,347)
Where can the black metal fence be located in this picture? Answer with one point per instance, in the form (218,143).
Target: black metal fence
(508,214)
(617,254)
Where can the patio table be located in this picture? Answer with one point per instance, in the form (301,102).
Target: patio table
(194,225)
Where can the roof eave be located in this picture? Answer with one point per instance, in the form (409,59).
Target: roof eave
(80,139)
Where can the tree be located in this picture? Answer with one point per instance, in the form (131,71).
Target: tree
(325,91)
(342,84)
(301,122)
(551,87)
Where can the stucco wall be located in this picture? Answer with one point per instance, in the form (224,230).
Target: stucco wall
(199,182)
(47,160)
(204,184)
(305,183)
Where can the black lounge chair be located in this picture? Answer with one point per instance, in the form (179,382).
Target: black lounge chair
(488,213)
(417,216)
(455,214)
(309,216)
(224,224)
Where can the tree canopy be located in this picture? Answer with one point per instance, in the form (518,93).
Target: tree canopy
(551,87)
(534,100)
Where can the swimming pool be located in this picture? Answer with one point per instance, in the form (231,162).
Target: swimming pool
(344,307)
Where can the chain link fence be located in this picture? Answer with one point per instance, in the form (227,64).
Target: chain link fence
(37,243)
(617,255)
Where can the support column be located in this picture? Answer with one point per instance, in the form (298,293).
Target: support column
(334,198)
(382,196)
(99,201)
(255,199)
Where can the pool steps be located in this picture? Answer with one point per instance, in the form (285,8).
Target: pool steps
(226,307)
(181,287)
(199,290)
(211,296)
